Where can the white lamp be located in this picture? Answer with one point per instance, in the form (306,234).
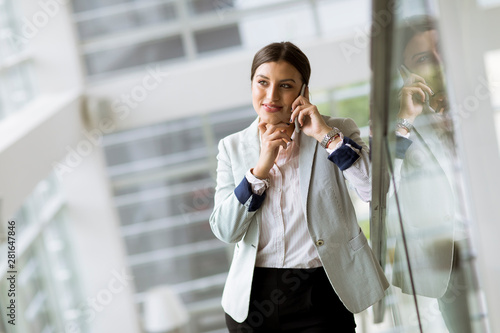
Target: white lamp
(164,311)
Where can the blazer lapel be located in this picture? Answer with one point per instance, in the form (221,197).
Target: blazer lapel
(306,160)
(435,146)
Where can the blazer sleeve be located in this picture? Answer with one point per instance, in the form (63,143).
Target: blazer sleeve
(358,173)
(234,205)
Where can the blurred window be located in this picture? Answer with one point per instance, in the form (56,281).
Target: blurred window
(124,18)
(118,35)
(16,84)
(48,295)
(135,55)
(216,39)
(488,3)
(198,7)
(492,64)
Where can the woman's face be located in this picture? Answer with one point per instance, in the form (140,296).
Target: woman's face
(422,57)
(275,86)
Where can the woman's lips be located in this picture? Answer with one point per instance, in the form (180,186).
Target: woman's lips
(272,108)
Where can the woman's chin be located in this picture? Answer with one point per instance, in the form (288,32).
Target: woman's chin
(273,119)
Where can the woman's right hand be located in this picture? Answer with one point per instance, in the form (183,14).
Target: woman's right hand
(272,137)
(413,96)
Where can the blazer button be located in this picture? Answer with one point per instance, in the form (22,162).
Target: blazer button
(319,242)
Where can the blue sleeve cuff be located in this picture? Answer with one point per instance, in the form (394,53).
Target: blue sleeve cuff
(243,192)
(402,145)
(345,156)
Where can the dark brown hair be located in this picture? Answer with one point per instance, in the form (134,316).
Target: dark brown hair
(285,51)
(413,26)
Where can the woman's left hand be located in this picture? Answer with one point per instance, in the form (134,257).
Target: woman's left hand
(310,120)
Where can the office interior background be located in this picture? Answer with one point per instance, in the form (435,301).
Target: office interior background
(110,115)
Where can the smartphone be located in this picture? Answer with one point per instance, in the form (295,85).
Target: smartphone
(297,125)
(427,106)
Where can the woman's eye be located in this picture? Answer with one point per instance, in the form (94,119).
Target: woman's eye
(422,59)
(285,85)
(262,82)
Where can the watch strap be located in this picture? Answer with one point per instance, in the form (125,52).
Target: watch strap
(328,136)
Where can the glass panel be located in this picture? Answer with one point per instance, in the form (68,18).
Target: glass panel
(48,290)
(128,19)
(162,272)
(431,266)
(178,235)
(492,64)
(198,7)
(135,55)
(63,271)
(160,183)
(488,3)
(46,191)
(157,141)
(228,122)
(34,307)
(16,88)
(203,294)
(177,203)
(257,3)
(84,5)
(11,40)
(219,38)
(16,85)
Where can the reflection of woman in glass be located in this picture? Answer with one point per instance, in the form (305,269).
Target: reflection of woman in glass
(301,262)
(426,174)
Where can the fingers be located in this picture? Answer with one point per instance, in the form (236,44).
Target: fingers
(301,112)
(301,100)
(424,87)
(271,143)
(273,132)
(418,90)
(414,93)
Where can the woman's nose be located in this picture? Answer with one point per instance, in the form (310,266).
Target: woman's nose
(437,58)
(273,93)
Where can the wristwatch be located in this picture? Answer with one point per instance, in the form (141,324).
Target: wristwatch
(328,137)
(404,123)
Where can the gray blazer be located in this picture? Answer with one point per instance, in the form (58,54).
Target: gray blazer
(427,196)
(351,267)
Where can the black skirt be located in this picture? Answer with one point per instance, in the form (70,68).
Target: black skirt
(293,300)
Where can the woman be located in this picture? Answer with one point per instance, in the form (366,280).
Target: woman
(427,180)
(301,262)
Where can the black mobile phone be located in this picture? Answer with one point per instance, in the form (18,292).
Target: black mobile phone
(297,125)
